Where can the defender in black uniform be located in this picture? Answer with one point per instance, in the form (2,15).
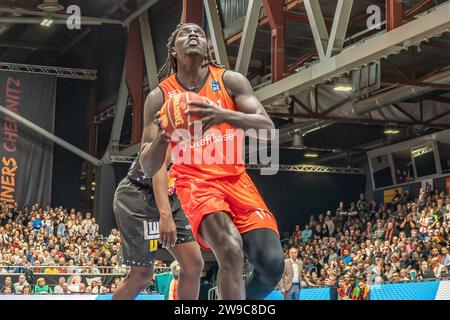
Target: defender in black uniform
(142,226)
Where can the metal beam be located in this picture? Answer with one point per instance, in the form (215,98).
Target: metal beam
(412,33)
(116,130)
(276,16)
(135,77)
(417,8)
(317,116)
(301,61)
(130,151)
(396,106)
(27,46)
(399,94)
(69,73)
(50,136)
(20,12)
(394,14)
(149,52)
(216,31)
(309,169)
(75,41)
(142,9)
(248,36)
(24,20)
(318,26)
(439,116)
(339,28)
(192,12)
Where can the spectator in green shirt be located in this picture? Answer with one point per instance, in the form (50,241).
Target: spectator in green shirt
(41,287)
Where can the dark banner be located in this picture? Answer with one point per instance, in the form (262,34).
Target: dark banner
(25,157)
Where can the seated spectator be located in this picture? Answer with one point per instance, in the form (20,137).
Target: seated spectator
(42,287)
(18,286)
(437,267)
(445,257)
(26,290)
(75,284)
(7,284)
(306,234)
(59,286)
(426,272)
(7,290)
(65,289)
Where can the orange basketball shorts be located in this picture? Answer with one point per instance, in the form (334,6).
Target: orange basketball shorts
(236,195)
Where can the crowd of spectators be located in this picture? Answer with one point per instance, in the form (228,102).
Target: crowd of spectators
(368,243)
(35,240)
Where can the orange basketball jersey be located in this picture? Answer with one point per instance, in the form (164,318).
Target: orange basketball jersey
(218,153)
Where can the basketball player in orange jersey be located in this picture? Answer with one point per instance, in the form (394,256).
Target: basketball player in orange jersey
(224,208)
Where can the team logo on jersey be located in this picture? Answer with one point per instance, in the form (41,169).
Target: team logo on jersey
(151,230)
(215,86)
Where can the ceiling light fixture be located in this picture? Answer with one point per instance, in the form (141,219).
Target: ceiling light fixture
(50,6)
(311,154)
(391,131)
(47,22)
(343,84)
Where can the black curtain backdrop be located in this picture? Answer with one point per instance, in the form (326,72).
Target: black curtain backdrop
(293,197)
(25,157)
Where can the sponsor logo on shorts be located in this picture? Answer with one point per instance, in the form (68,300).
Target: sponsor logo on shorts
(153,245)
(263,214)
(151,230)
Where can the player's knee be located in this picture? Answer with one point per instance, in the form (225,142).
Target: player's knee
(194,267)
(142,275)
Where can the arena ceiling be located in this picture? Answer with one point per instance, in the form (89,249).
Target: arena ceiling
(327,120)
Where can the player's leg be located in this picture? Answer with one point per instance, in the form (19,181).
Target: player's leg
(136,281)
(264,251)
(137,223)
(222,236)
(190,259)
(187,253)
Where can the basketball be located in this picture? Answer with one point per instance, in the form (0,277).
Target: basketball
(173,112)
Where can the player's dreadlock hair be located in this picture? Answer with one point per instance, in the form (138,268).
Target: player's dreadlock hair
(171,63)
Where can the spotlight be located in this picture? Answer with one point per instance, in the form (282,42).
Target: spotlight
(47,22)
(343,84)
(310,154)
(391,131)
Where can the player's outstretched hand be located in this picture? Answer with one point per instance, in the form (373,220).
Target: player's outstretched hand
(167,231)
(162,132)
(210,112)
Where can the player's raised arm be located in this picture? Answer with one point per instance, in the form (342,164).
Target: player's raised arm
(154,142)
